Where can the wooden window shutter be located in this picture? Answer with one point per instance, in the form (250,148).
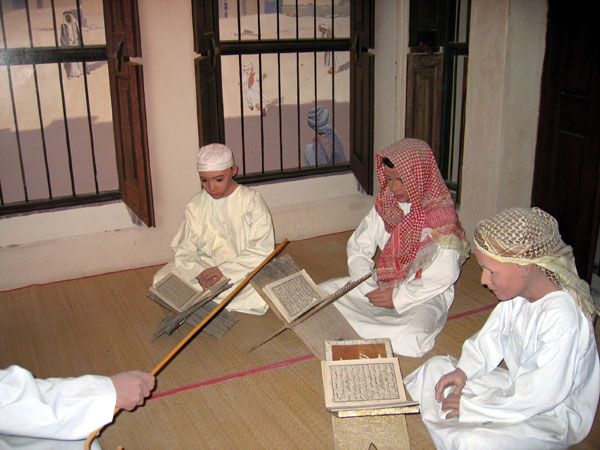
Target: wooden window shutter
(362,66)
(424,83)
(128,107)
(211,125)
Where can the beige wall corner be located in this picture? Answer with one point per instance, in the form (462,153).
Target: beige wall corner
(524,63)
(506,47)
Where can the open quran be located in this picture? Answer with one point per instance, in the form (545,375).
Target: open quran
(297,294)
(294,294)
(369,382)
(177,294)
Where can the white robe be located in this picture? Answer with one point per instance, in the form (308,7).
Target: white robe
(52,413)
(234,233)
(546,399)
(421,301)
(69,37)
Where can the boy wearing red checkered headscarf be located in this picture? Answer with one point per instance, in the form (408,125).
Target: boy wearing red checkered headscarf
(422,244)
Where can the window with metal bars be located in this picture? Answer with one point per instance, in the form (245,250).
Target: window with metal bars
(73,130)
(56,130)
(287,85)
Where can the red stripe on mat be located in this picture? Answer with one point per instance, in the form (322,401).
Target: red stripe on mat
(244,373)
(277,365)
(471,312)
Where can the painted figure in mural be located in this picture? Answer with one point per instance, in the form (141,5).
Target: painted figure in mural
(252,87)
(326,147)
(70,37)
(330,59)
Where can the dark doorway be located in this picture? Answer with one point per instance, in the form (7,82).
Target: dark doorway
(567,172)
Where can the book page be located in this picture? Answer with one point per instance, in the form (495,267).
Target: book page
(358,349)
(293,294)
(364,383)
(175,291)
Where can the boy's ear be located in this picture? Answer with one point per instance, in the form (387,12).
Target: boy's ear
(234,170)
(526,269)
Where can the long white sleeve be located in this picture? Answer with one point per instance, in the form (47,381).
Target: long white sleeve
(430,282)
(548,349)
(436,279)
(54,408)
(361,248)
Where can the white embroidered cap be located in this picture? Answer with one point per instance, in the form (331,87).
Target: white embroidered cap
(214,157)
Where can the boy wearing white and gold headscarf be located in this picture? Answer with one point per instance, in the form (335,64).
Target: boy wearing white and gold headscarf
(542,330)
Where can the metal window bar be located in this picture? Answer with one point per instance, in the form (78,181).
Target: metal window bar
(58,55)
(279,91)
(277,47)
(298,87)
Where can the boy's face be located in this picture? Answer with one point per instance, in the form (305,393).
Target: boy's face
(395,184)
(505,280)
(220,183)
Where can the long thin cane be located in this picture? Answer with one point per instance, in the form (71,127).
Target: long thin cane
(191,334)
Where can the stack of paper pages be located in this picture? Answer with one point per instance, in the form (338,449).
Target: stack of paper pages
(363,378)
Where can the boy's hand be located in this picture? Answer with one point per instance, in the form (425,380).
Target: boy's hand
(209,277)
(452,403)
(456,378)
(382,297)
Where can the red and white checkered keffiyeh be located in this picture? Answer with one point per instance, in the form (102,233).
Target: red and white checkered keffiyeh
(431,207)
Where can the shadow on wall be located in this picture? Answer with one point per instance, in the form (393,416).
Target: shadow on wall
(55,140)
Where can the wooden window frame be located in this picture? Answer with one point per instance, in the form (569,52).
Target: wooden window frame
(128,107)
(205,14)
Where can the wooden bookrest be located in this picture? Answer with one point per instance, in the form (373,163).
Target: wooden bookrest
(327,324)
(376,432)
(217,327)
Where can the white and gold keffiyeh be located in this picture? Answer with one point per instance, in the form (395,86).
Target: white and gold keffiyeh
(531,236)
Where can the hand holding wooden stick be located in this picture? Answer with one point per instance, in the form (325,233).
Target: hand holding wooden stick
(198,327)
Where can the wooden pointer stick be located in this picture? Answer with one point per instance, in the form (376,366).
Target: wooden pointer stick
(191,334)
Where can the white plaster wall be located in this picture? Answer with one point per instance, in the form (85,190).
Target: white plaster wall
(40,248)
(524,61)
(506,49)
(483,117)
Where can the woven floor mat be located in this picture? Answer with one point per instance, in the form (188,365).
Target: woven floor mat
(270,398)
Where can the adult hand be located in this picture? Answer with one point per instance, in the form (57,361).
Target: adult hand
(209,277)
(132,388)
(382,297)
(456,378)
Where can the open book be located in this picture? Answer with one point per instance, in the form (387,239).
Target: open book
(177,294)
(369,382)
(297,294)
(294,294)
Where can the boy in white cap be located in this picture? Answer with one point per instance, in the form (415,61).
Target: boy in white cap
(227,231)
